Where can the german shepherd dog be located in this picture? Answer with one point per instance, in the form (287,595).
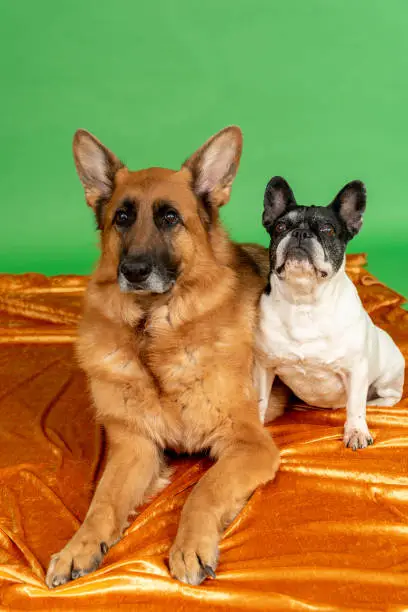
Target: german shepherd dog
(167,343)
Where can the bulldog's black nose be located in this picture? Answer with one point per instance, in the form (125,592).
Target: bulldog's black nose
(301,234)
(136,269)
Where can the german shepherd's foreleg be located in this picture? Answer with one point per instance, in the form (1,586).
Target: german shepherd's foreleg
(247,460)
(133,466)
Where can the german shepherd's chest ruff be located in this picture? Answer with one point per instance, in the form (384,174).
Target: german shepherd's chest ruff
(179,360)
(167,342)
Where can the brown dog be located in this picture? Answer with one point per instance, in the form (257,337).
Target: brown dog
(167,343)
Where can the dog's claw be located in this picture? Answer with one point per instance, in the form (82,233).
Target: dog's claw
(58,581)
(209,571)
(104,548)
(77,574)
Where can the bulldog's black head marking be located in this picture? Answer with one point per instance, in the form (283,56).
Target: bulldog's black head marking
(311,237)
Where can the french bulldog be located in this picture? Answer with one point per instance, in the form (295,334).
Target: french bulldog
(313,331)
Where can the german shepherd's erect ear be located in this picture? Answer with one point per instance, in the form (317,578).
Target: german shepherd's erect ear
(96,167)
(214,166)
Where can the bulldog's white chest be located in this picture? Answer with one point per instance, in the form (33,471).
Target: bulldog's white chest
(303,346)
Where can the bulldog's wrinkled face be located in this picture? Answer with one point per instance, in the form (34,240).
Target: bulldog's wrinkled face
(310,241)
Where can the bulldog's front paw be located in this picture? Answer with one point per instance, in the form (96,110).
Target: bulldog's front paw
(194,558)
(80,557)
(356,437)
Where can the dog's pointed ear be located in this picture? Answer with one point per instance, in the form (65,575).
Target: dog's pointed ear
(214,165)
(349,205)
(96,167)
(278,199)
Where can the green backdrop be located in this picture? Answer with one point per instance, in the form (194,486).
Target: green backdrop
(319,88)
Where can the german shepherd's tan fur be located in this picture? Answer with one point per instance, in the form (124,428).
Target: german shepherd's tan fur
(170,368)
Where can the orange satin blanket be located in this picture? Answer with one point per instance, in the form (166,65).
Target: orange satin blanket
(330,533)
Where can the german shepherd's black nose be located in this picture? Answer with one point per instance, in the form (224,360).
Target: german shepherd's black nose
(136,269)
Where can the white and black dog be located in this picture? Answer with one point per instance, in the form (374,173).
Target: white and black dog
(314,332)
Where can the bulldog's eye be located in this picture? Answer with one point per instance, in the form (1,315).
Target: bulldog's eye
(280,227)
(170,218)
(327,230)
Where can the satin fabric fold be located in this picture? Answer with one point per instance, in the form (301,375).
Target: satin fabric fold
(330,533)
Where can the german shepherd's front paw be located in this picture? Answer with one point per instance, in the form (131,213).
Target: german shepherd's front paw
(80,557)
(192,560)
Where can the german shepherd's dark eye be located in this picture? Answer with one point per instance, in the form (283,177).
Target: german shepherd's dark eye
(280,227)
(171,217)
(166,216)
(125,216)
(327,230)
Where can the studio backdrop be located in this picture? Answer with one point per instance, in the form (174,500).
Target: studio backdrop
(319,89)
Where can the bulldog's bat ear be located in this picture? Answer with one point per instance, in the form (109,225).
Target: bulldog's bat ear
(278,199)
(349,206)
